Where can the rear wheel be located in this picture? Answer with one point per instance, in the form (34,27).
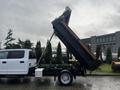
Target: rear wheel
(65,77)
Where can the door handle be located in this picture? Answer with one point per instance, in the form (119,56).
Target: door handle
(21,61)
(4,62)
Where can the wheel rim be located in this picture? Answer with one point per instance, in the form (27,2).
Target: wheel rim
(65,78)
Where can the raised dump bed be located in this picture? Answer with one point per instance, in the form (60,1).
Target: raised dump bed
(72,41)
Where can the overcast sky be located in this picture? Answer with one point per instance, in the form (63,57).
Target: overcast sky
(31,19)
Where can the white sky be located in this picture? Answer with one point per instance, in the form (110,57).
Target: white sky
(31,19)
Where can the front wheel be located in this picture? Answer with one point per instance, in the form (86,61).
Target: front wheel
(65,77)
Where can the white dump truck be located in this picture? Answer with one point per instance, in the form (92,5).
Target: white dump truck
(20,61)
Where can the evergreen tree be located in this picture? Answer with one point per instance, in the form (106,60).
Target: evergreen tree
(59,54)
(15,46)
(98,51)
(68,56)
(118,56)
(25,44)
(38,50)
(109,56)
(8,44)
(20,43)
(48,53)
(28,44)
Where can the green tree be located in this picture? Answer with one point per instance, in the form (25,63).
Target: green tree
(15,46)
(48,53)
(20,43)
(66,60)
(109,56)
(38,50)
(118,56)
(9,39)
(25,44)
(59,59)
(98,51)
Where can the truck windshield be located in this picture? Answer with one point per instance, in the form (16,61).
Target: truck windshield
(11,54)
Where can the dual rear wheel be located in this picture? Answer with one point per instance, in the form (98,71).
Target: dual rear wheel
(65,77)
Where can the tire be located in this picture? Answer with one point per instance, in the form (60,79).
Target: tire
(65,78)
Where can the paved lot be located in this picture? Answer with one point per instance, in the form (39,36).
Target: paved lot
(47,83)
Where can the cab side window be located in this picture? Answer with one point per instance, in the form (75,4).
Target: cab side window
(3,55)
(15,54)
(31,55)
(12,54)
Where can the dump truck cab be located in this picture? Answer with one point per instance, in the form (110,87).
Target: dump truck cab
(16,61)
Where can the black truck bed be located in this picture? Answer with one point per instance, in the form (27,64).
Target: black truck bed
(73,43)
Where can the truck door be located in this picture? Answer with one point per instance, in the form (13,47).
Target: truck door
(32,59)
(17,62)
(3,62)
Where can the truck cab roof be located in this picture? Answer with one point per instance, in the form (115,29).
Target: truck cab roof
(15,49)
